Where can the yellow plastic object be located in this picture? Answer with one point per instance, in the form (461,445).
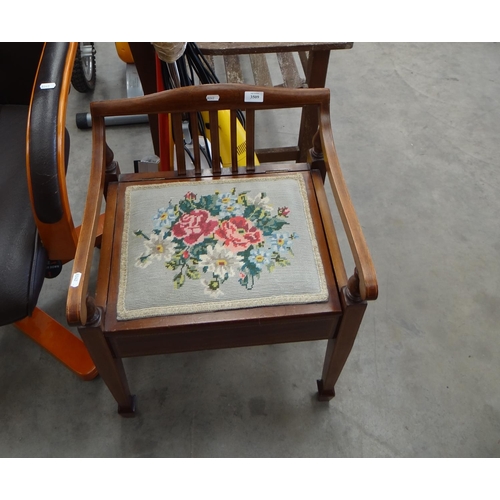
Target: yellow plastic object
(225,138)
(124,53)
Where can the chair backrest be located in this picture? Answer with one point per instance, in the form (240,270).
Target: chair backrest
(22,258)
(48,150)
(18,67)
(38,76)
(184,105)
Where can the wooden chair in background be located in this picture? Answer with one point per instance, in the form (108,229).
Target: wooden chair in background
(250,63)
(208,258)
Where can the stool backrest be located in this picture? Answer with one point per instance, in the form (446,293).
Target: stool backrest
(215,102)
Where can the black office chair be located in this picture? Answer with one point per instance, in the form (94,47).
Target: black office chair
(36,227)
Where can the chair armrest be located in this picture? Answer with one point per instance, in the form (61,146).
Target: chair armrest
(368,286)
(48,149)
(76,306)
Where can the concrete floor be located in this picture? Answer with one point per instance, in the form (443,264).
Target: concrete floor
(417,129)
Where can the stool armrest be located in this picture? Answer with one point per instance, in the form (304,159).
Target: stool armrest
(368,286)
(76,306)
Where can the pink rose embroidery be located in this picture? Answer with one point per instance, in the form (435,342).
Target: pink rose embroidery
(194,226)
(238,234)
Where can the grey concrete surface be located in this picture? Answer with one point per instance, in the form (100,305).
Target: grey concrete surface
(417,129)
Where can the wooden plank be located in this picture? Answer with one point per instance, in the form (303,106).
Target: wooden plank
(289,70)
(287,153)
(304,60)
(240,334)
(233,69)
(260,70)
(225,48)
(210,61)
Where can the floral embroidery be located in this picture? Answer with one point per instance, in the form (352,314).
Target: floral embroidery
(282,242)
(194,226)
(238,234)
(165,216)
(218,237)
(158,246)
(220,261)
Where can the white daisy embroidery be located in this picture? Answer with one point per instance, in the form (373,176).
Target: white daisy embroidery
(157,247)
(220,261)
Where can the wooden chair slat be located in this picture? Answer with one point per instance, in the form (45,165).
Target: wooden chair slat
(304,60)
(250,133)
(233,69)
(193,120)
(179,143)
(210,60)
(289,70)
(234,151)
(260,70)
(214,141)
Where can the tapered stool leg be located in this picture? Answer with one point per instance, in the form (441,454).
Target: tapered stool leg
(339,347)
(110,368)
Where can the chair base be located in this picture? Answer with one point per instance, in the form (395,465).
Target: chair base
(324,395)
(59,342)
(128,411)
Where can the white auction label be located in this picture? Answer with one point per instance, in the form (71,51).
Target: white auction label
(76,280)
(213,97)
(50,85)
(254,96)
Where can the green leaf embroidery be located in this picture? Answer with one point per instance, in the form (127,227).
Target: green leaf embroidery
(193,273)
(179,281)
(140,233)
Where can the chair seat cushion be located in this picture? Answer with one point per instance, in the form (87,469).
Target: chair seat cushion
(23,259)
(208,245)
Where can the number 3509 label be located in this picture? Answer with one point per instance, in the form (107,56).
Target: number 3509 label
(254,96)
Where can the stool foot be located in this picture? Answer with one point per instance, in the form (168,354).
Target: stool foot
(324,395)
(128,411)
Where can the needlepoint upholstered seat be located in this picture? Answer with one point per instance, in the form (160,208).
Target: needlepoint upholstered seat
(206,257)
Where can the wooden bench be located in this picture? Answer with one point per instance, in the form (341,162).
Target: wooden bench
(313,58)
(236,59)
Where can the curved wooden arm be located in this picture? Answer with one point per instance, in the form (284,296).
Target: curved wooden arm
(47,150)
(368,286)
(76,305)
